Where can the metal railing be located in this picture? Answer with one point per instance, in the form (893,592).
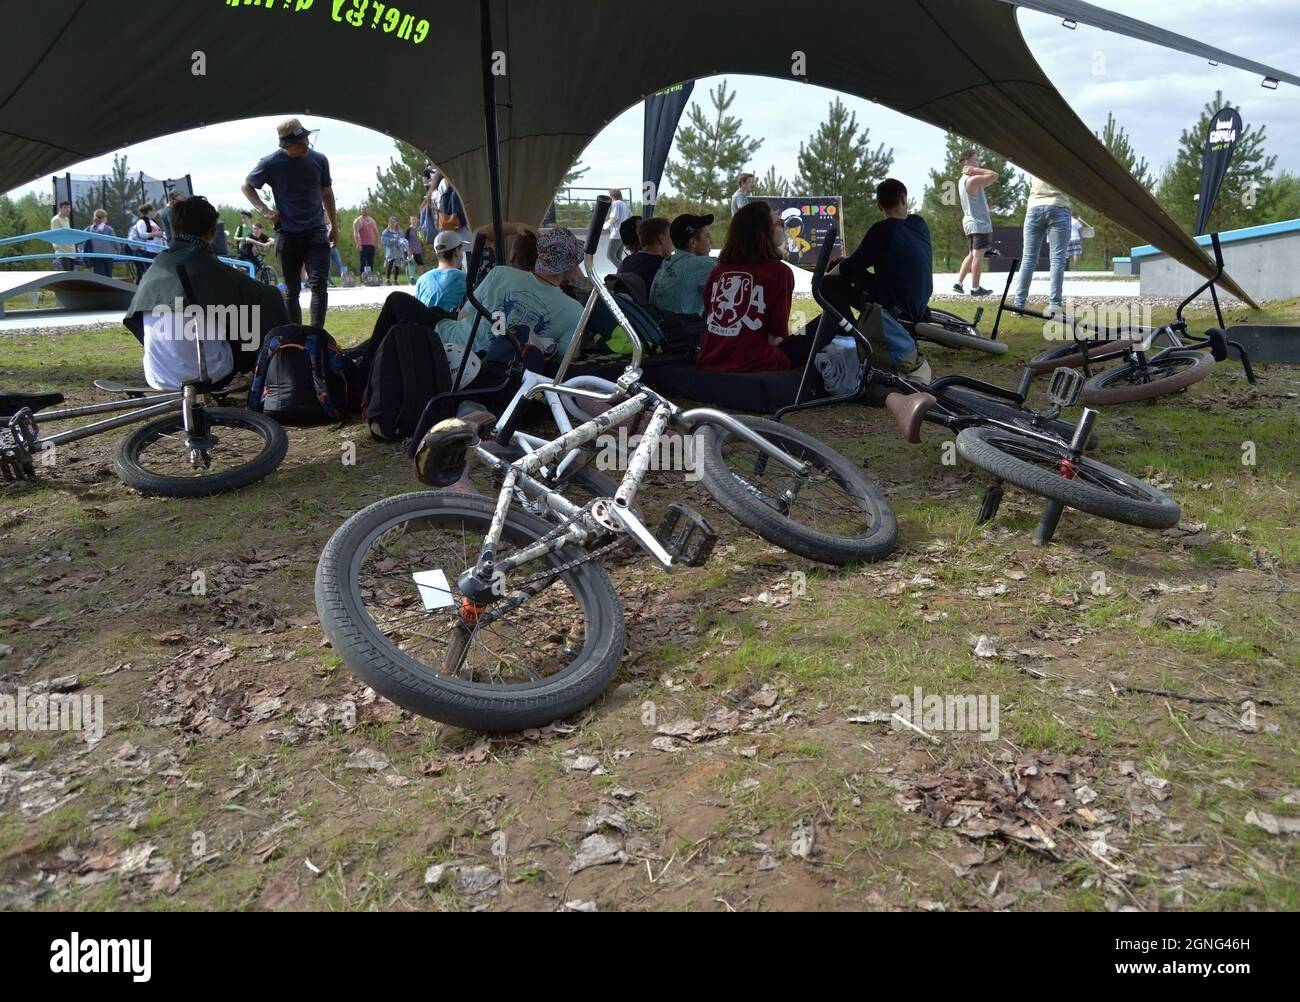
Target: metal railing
(574,205)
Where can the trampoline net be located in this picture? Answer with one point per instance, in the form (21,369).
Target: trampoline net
(118,194)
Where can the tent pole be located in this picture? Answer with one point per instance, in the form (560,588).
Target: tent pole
(490,122)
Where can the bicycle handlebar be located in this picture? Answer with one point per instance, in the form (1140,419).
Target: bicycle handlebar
(476,258)
(819,273)
(603,202)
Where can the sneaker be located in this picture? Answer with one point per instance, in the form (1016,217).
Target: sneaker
(981,291)
(958,287)
(476,416)
(916,368)
(1055,310)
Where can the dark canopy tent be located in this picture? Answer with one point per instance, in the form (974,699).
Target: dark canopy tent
(958,64)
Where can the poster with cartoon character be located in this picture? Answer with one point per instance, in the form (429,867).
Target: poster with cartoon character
(806,220)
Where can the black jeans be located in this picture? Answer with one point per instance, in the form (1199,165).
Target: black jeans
(104,268)
(313,250)
(367,259)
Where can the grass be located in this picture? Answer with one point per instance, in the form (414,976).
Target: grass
(859,637)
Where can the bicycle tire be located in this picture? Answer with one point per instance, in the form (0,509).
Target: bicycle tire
(1070,356)
(1096,488)
(395,674)
(745,503)
(952,331)
(1116,386)
(133,473)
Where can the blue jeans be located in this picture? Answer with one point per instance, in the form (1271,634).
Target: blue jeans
(1054,221)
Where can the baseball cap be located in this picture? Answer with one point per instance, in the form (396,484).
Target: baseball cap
(447,240)
(557,251)
(686,226)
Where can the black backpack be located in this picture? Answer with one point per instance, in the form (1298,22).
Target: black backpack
(302,378)
(409,367)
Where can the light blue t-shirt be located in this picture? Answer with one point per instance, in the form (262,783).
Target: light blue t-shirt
(443,288)
(679,286)
(522,298)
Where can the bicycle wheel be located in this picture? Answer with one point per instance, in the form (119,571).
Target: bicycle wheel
(544,658)
(1002,410)
(953,331)
(836,515)
(247,447)
(267,275)
(1167,372)
(1071,356)
(1045,469)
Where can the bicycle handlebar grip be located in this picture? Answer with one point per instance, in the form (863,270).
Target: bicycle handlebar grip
(598,223)
(476,257)
(826,250)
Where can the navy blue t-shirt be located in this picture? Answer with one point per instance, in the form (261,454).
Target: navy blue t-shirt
(296,183)
(900,252)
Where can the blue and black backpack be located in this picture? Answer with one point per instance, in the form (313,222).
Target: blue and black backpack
(302,378)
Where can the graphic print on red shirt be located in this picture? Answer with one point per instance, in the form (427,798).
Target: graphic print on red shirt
(745,305)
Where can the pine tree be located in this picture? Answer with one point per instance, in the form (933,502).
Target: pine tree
(573,175)
(941,203)
(399,188)
(1247,178)
(1280,199)
(773,183)
(839,161)
(12,224)
(710,152)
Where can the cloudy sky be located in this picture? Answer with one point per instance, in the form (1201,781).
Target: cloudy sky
(1153,92)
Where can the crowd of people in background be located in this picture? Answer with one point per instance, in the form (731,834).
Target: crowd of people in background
(731,312)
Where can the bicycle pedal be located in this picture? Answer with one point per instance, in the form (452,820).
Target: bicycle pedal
(687,535)
(1066,387)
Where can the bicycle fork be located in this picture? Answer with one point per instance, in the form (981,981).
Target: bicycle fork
(1069,468)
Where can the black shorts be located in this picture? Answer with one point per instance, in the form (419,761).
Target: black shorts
(980,241)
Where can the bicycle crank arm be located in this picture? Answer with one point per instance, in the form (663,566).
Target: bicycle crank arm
(640,532)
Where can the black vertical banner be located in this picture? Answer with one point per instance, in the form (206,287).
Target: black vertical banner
(662,113)
(1220,142)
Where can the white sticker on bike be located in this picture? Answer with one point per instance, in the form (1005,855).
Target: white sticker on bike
(435,590)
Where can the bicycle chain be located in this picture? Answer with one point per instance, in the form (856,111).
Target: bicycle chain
(556,572)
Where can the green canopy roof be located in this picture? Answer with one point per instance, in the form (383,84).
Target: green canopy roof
(81,79)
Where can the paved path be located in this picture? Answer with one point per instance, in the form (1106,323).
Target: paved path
(1078,285)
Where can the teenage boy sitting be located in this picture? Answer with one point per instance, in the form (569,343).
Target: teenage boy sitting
(655,247)
(679,285)
(444,287)
(230,346)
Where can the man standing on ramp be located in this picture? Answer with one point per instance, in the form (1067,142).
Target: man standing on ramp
(304,201)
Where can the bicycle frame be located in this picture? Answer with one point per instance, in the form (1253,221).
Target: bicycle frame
(604,516)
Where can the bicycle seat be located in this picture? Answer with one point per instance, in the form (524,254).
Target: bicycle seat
(12,403)
(909,411)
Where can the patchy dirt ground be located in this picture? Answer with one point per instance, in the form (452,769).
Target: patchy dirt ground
(745,757)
